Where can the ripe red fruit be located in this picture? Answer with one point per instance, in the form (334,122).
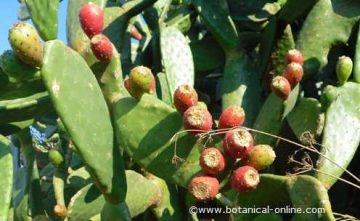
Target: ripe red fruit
(212,161)
(91,19)
(294,55)
(237,143)
(197,118)
(294,73)
(204,188)
(184,97)
(281,87)
(135,34)
(233,116)
(102,47)
(244,179)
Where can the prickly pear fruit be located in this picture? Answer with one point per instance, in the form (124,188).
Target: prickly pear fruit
(232,116)
(60,211)
(197,120)
(184,97)
(101,47)
(135,34)
(212,161)
(91,19)
(55,157)
(140,81)
(26,43)
(260,157)
(244,179)
(294,73)
(343,69)
(329,94)
(294,55)
(281,87)
(204,188)
(237,143)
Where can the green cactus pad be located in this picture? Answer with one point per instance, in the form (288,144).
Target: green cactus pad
(357,58)
(207,58)
(217,19)
(307,192)
(16,69)
(268,217)
(23,102)
(177,58)
(305,117)
(181,18)
(86,120)
(6,182)
(294,10)
(162,88)
(118,212)
(314,40)
(341,133)
(272,116)
(44,14)
(267,44)
(240,86)
(88,201)
(149,142)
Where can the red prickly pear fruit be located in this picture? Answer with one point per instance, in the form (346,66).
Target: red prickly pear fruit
(212,161)
(244,179)
(294,73)
(204,188)
(281,87)
(26,43)
(91,19)
(55,158)
(294,55)
(232,116)
(237,143)
(261,156)
(135,34)
(184,97)
(140,81)
(60,211)
(197,119)
(102,47)
(343,69)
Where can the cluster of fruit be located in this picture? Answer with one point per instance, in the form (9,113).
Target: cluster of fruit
(293,73)
(91,19)
(238,142)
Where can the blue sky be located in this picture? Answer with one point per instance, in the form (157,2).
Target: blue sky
(8,16)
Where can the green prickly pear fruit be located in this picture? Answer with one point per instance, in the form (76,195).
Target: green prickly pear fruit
(16,69)
(140,81)
(204,188)
(56,158)
(26,43)
(343,69)
(328,95)
(261,156)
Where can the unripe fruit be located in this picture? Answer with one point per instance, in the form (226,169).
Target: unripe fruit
(232,116)
(91,19)
(197,118)
(261,156)
(140,81)
(204,188)
(329,94)
(135,34)
(55,157)
(294,55)
(60,211)
(294,73)
(343,69)
(212,161)
(244,179)
(184,97)
(26,43)
(102,48)
(281,87)
(237,143)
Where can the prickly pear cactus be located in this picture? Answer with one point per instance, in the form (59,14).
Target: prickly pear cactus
(84,138)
